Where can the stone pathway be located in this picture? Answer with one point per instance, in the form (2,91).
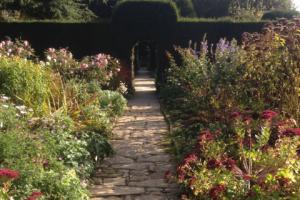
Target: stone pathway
(136,171)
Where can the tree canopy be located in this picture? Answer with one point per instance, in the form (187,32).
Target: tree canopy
(87,10)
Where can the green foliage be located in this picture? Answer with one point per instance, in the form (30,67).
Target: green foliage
(38,166)
(56,145)
(238,9)
(113,103)
(244,156)
(26,82)
(232,165)
(52,9)
(276,14)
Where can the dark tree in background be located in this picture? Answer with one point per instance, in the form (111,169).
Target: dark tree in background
(221,8)
(102,8)
(212,8)
(48,9)
(89,10)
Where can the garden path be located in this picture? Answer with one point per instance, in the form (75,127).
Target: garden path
(136,171)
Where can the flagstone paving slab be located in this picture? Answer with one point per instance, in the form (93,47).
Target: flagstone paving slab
(136,170)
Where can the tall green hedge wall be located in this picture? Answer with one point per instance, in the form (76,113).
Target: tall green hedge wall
(133,21)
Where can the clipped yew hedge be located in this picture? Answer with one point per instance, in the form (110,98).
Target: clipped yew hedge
(133,21)
(147,11)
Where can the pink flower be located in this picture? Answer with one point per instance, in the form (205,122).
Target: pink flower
(51,50)
(8,174)
(19,50)
(268,115)
(292,132)
(191,158)
(205,136)
(26,43)
(34,196)
(84,66)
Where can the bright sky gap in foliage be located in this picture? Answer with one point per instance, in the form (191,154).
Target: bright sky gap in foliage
(297,4)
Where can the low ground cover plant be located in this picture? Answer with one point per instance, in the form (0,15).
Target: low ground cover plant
(244,100)
(56,116)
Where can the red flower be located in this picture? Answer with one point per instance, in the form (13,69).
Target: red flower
(34,196)
(246,177)
(205,136)
(235,115)
(8,174)
(247,119)
(229,164)
(268,115)
(213,164)
(216,191)
(191,158)
(292,132)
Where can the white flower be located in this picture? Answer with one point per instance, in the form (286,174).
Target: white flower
(21,108)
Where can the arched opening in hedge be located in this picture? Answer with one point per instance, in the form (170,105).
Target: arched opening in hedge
(144,56)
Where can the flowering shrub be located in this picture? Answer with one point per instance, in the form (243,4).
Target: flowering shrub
(101,68)
(55,119)
(22,49)
(6,176)
(259,159)
(25,82)
(249,155)
(272,61)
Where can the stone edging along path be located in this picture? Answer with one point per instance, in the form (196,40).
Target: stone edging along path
(136,170)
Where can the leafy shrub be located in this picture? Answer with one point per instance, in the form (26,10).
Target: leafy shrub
(201,87)
(18,48)
(56,145)
(257,160)
(277,14)
(35,156)
(26,82)
(272,62)
(113,103)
